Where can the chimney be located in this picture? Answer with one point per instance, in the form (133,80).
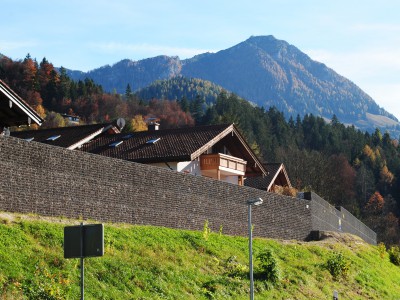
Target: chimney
(153,126)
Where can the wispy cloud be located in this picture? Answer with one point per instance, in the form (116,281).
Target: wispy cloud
(8,46)
(379,27)
(138,50)
(362,63)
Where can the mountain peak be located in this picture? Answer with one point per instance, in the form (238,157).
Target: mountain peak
(265,40)
(258,38)
(277,48)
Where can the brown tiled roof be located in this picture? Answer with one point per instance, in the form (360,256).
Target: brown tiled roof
(69,136)
(19,112)
(182,144)
(266,182)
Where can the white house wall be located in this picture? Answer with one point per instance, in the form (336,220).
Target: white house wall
(193,167)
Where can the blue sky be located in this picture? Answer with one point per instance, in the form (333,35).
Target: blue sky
(358,39)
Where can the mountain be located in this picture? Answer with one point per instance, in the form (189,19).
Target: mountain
(262,70)
(138,74)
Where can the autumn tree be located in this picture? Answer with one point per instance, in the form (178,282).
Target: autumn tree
(54,120)
(386,178)
(375,204)
(339,182)
(137,124)
(169,113)
(30,69)
(380,218)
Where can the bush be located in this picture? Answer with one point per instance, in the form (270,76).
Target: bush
(382,250)
(206,231)
(394,255)
(234,268)
(338,266)
(269,266)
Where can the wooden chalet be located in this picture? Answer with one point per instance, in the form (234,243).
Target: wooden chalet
(215,151)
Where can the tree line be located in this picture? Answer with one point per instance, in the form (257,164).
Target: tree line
(357,170)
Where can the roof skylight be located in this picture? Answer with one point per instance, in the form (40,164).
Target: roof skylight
(53,138)
(116,144)
(128,136)
(153,141)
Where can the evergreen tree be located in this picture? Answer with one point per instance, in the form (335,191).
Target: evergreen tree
(128,91)
(196,108)
(184,104)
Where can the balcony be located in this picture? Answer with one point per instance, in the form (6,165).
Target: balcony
(218,165)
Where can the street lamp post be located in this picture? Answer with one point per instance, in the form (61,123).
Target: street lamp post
(250,203)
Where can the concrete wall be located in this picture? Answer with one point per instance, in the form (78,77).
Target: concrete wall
(53,181)
(326,217)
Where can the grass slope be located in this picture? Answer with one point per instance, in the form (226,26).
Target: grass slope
(144,262)
(379,121)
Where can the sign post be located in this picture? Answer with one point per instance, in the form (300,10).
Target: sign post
(82,266)
(335,295)
(83,241)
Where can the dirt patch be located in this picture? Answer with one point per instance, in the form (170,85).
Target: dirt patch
(7,217)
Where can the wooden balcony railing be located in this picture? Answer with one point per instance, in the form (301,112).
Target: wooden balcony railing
(219,161)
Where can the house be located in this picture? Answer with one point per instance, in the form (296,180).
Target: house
(276,177)
(14,111)
(71,119)
(215,151)
(67,137)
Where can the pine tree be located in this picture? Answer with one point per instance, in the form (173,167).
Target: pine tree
(128,91)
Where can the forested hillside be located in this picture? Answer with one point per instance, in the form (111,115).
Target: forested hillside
(263,70)
(344,165)
(180,87)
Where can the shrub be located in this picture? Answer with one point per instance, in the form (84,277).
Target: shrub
(286,191)
(206,231)
(382,250)
(234,268)
(338,266)
(269,266)
(394,255)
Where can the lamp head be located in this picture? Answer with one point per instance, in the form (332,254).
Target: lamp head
(256,201)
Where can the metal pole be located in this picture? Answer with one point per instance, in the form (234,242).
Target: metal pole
(82,267)
(251,256)
(82,281)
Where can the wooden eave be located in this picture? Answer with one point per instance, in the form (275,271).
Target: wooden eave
(231,129)
(280,170)
(92,136)
(14,111)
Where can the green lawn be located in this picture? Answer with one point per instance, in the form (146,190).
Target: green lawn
(144,262)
